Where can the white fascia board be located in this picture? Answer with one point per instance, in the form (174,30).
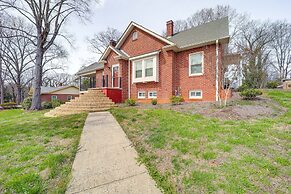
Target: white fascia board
(144,55)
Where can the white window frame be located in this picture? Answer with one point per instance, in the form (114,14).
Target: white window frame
(135,35)
(69,97)
(115,65)
(202,65)
(143,78)
(195,97)
(152,97)
(141,97)
(53,96)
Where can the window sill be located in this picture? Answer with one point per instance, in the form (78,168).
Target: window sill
(195,75)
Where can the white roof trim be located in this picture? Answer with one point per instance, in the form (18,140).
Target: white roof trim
(130,27)
(106,52)
(144,55)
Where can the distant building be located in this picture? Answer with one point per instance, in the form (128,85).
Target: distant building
(62,93)
(287,84)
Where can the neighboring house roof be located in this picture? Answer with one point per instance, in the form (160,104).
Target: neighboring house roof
(48,90)
(93,67)
(202,34)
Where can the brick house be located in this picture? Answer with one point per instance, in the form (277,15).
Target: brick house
(144,65)
(62,93)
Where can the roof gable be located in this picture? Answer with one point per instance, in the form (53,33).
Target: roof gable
(131,26)
(110,48)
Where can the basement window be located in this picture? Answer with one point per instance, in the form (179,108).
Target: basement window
(195,94)
(134,35)
(152,94)
(141,94)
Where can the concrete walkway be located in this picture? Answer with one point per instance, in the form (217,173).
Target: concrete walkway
(106,161)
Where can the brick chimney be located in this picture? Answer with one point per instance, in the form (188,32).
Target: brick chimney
(112,43)
(170,28)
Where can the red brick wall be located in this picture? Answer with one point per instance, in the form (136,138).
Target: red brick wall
(205,82)
(99,74)
(61,97)
(145,43)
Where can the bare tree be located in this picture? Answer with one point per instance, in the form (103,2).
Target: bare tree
(253,41)
(101,40)
(48,18)
(58,79)
(281,48)
(16,53)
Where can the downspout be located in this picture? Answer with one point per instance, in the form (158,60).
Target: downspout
(129,79)
(216,74)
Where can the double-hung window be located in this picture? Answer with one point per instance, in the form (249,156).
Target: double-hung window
(54,97)
(138,69)
(145,70)
(196,64)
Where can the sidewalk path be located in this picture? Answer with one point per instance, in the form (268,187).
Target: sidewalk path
(106,161)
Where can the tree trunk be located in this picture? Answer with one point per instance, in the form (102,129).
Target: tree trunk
(18,94)
(1,84)
(36,102)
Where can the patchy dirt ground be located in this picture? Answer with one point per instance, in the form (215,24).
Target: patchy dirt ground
(236,108)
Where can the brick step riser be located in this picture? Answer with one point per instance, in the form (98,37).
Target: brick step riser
(87,107)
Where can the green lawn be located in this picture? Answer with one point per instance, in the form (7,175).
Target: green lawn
(188,153)
(36,153)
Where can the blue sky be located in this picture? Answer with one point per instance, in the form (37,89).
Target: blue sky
(153,14)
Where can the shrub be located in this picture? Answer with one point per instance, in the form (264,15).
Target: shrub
(243,87)
(272,84)
(130,102)
(26,104)
(154,102)
(8,105)
(46,105)
(175,100)
(250,93)
(56,103)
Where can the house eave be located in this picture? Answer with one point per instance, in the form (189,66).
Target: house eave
(144,55)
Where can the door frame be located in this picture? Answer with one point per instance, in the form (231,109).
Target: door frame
(115,65)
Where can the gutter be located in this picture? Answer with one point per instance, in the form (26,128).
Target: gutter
(216,73)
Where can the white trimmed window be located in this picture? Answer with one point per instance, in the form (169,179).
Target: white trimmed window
(152,94)
(54,97)
(195,94)
(145,70)
(196,64)
(141,94)
(69,97)
(134,35)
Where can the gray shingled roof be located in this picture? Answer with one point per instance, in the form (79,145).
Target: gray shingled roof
(91,67)
(207,32)
(45,90)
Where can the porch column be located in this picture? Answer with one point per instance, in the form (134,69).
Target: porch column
(80,83)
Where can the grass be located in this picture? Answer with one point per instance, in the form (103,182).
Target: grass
(188,153)
(36,153)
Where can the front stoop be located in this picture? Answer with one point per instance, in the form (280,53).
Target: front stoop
(92,101)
